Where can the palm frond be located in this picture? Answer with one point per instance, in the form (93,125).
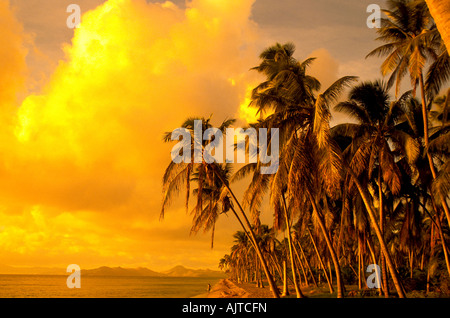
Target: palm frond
(354,110)
(172,188)
(390,171)
(441,185)
(438,74)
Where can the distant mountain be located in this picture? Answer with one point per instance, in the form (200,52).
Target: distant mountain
(177,271)
(120,271)
(181,271)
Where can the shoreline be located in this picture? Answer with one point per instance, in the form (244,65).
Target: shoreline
(225,288)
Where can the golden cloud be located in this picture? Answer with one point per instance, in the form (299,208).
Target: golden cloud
(87,151)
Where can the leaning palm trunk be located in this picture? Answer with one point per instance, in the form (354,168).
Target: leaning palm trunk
(272,285)
(285,284)
(307,263)
(384,280)
(384,250)
(359,264)
(340,287)
(291,254)
(301,264)
(330,286)
(440,10)
(441,234)
(432,243)
(372,254)
(276,266)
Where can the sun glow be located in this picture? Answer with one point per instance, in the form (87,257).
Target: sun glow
(83,159)
(247,112)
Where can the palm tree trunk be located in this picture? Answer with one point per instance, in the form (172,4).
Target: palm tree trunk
(307,263)
(340,286)
(341,224)
(374,260)
(301,265)
(359,264)
(432,240)
(276,266)
(285,284)
(384,273)
(411,262)
(440,11)
(370,211)
(330,286)
(273,287)
(329,269)
(291,254)
(441,234)
(362,259)
(351,267)
(257,272)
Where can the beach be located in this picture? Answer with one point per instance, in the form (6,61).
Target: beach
(225,288)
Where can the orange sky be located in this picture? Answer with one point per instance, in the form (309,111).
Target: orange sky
(82,118)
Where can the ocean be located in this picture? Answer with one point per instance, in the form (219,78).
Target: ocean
(54,286)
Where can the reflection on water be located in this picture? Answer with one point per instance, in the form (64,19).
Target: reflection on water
(50,286)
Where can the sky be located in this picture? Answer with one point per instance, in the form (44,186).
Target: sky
(83,111)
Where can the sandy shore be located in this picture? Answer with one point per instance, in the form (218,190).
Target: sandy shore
(228,289)
(225,288)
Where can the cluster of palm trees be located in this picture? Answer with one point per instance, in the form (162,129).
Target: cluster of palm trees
(371,191)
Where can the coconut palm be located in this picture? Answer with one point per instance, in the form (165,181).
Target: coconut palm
(241,254)
(224,263)
(178,174)
(302,117)
(408,44)
(439,71)
(286,84)
(421,183)
(372,136)
(411,43)
(439,145)
(216,199)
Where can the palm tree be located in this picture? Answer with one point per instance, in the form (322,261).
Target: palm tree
(440,10)
(439,71)
(411,43)
(369,103)
(406,32)
(424,186)
(178,174)
(241,255)
(224,263)
(286,84)
(291,249)
(216,199)
(439,145)
(302,118)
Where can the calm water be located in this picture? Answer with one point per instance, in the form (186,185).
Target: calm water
(46,286)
